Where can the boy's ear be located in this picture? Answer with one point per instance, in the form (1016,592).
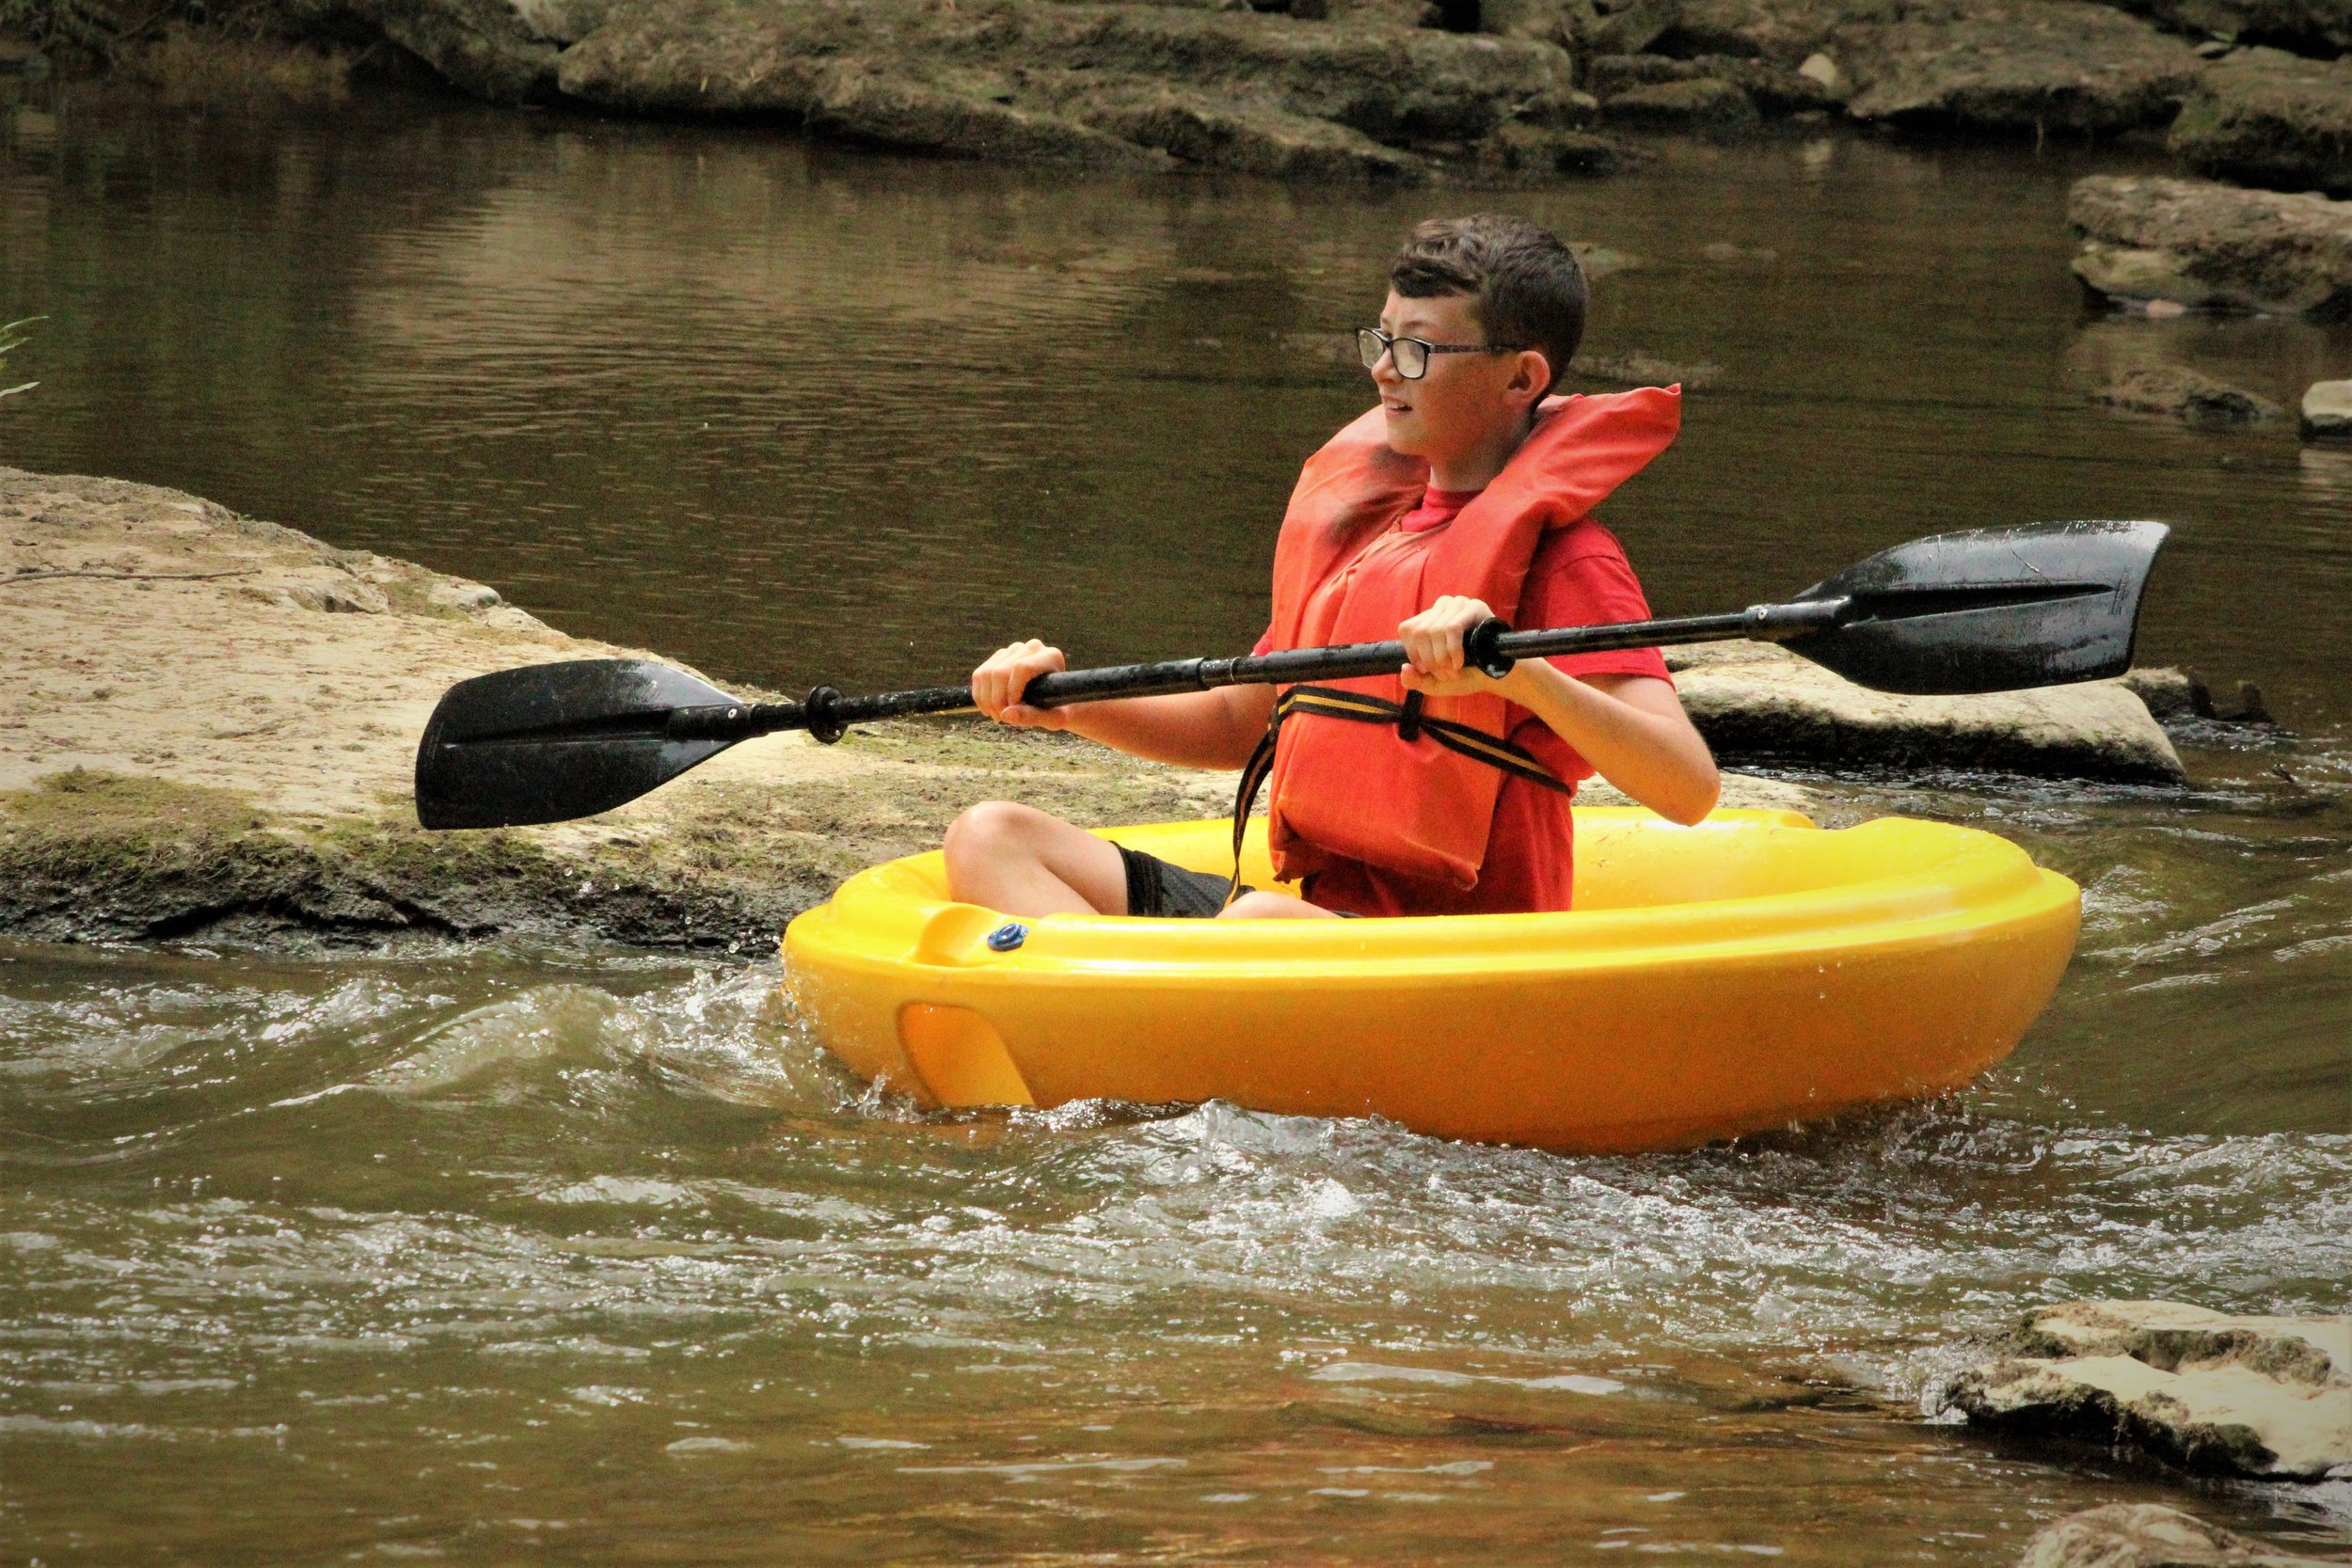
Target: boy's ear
(1533,375)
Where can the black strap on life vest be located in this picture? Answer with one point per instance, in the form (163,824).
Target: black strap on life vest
(1412,724)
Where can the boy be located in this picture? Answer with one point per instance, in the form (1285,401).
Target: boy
(1466,494)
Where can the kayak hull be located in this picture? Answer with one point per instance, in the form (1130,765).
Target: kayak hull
(1750,973)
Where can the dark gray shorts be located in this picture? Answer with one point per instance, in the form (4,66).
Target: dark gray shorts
(1159,890)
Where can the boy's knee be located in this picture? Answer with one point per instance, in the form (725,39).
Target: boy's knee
(996,830)
(987,828)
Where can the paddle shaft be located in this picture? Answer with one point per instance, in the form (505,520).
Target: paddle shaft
(825,713)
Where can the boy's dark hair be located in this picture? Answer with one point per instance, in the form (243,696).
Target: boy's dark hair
(1526,285)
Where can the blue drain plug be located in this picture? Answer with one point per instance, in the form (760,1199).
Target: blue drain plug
(1007,937)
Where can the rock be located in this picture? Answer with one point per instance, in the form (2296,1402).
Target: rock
(1196,129)
(1541,21)
(1704,102)
(2190,396)
(1758,703)
(1770,88)
(1617,26)
(2320,29)
(2265,117)
(188,753)
(486,47)
(561,22)
(2213,246)
(2252,1396)
(2328,411)
(2149,1535)
(1606,75)
(1267,94)
(858,103)
(1781,32)
(2015,65)
(2171,694)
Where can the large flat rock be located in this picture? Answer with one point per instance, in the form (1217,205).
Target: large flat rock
(2264,117)
(2213,246)
(2254,1396)
(210,725)
(1265,93)
(2014,65)
(1757,703)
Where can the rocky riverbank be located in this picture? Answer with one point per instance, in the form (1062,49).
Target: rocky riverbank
(1335,89)
(211,723)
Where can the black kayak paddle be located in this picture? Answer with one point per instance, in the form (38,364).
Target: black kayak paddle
(1993,610)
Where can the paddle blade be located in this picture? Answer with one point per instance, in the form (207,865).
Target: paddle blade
(1994,610)
(556,741)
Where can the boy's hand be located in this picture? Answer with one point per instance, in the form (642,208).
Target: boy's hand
(1433,650)
(997,685)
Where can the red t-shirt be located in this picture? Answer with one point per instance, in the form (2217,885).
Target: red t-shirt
(1579,576)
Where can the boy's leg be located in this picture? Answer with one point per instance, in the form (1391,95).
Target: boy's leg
(1023,860)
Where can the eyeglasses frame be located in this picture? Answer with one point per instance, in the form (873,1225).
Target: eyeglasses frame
(1388,347)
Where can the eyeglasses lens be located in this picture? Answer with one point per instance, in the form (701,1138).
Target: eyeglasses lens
(1409,355)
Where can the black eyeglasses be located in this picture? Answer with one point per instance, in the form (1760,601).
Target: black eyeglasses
(1411,355)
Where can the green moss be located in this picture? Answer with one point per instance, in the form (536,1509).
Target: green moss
(81,799)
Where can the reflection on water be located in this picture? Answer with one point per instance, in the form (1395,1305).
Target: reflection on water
(592,1256)
(797,414)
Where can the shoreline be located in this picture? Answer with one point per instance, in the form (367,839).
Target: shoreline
(1323,91)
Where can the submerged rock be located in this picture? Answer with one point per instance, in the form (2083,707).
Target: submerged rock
(2190,396)
(2149,1535)
(1757,703)
(2213,246)
(2032,66)
(1262,93)
(2266,118)
(2252,1396)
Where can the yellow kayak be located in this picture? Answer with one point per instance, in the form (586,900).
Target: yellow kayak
(1749,972)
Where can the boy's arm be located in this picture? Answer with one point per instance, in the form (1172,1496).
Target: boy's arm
(1630,728)
(1190,728)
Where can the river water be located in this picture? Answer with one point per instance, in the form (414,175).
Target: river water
(510,1253)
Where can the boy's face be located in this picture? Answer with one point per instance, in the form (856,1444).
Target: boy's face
(1465,402)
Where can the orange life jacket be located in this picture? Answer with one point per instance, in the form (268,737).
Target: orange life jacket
(1365,791)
